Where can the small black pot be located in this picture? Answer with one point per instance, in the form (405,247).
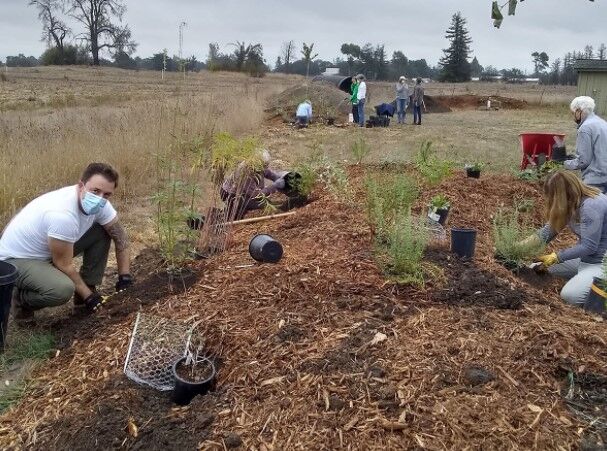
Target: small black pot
(463,242)
(474,173)
(330,121)
(442,214)
(185,390)
(597,297)
(291,179)
(8,276)
(559,153)
(265,249)
(195,223)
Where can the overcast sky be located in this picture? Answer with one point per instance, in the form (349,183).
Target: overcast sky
(415,27)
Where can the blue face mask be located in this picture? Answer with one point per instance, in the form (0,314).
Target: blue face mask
(91,203)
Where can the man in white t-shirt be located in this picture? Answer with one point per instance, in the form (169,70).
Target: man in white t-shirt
(45,236)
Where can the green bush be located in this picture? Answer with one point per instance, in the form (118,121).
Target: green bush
(360,149)
(405,249)
(387,198)
(508,232)
(433,169)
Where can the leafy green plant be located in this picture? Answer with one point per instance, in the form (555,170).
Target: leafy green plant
(360,149)
(474,166)
(509,233)
(318,168)
(539,173)
(387,198)
(433,169)
(440,202)
(405,249)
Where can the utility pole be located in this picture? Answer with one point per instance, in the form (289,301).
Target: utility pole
(182,25)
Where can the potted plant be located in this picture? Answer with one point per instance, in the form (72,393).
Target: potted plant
(473,170)
(439,209)
(194,375)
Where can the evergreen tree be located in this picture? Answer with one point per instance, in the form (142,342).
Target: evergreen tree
(475,68)
(455,66)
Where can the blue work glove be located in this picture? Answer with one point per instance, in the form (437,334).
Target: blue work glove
(125,281)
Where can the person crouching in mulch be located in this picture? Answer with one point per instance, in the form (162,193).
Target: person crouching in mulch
(582,208)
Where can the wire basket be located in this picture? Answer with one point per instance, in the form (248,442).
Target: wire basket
(156,344)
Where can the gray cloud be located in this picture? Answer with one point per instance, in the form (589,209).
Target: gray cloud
(416,28)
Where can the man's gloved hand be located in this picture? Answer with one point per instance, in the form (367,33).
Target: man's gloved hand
(125,281)
(279,183)
(549,260)
(94,301)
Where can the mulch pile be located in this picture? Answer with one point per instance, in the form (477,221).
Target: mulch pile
(321,351)
(327,102)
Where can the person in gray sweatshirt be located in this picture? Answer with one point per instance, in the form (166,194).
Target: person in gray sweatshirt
(583,209)
(591,144)
(402,99)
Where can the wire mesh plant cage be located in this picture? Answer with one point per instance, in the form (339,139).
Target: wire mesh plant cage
(156,344)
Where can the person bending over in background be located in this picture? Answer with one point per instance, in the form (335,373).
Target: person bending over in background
(45,236)
(304,113)
(402,99)
(244,190)
(418,101)
(570,202)
(591,143)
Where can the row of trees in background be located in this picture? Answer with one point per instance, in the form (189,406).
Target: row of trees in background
(99,17)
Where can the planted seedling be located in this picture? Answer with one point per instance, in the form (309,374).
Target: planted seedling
(360,149)
(432,168)
(511,248)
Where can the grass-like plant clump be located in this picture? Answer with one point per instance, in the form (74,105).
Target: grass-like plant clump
(360,149)
(509,234)
(387,198)
(433,169)
(400,238)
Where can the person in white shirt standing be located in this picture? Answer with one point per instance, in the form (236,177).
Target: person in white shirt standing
(304,113)
(45,236)
(361,96)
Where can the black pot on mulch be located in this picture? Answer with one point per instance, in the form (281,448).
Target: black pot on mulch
(597,297)
(8,276)
(265,249)
(473,173)
(330,121)
(185,389)
(463,242)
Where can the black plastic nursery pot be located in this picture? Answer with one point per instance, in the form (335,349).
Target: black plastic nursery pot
(463,242)
(559,153)
(597,297)
(439,215)
(195,223)
(185,390)
(473,173)
(265,249)
(291,180)
(8,276)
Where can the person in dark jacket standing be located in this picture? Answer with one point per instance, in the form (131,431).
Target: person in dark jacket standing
(418,101)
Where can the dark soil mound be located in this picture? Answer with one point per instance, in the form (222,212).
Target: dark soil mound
(469,285)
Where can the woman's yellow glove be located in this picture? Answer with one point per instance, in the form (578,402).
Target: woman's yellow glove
(549,260)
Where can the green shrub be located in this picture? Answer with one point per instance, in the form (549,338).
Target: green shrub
(360,149)
(405,249)
(433,169)
(508,233)
(387,198)
(439,202)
